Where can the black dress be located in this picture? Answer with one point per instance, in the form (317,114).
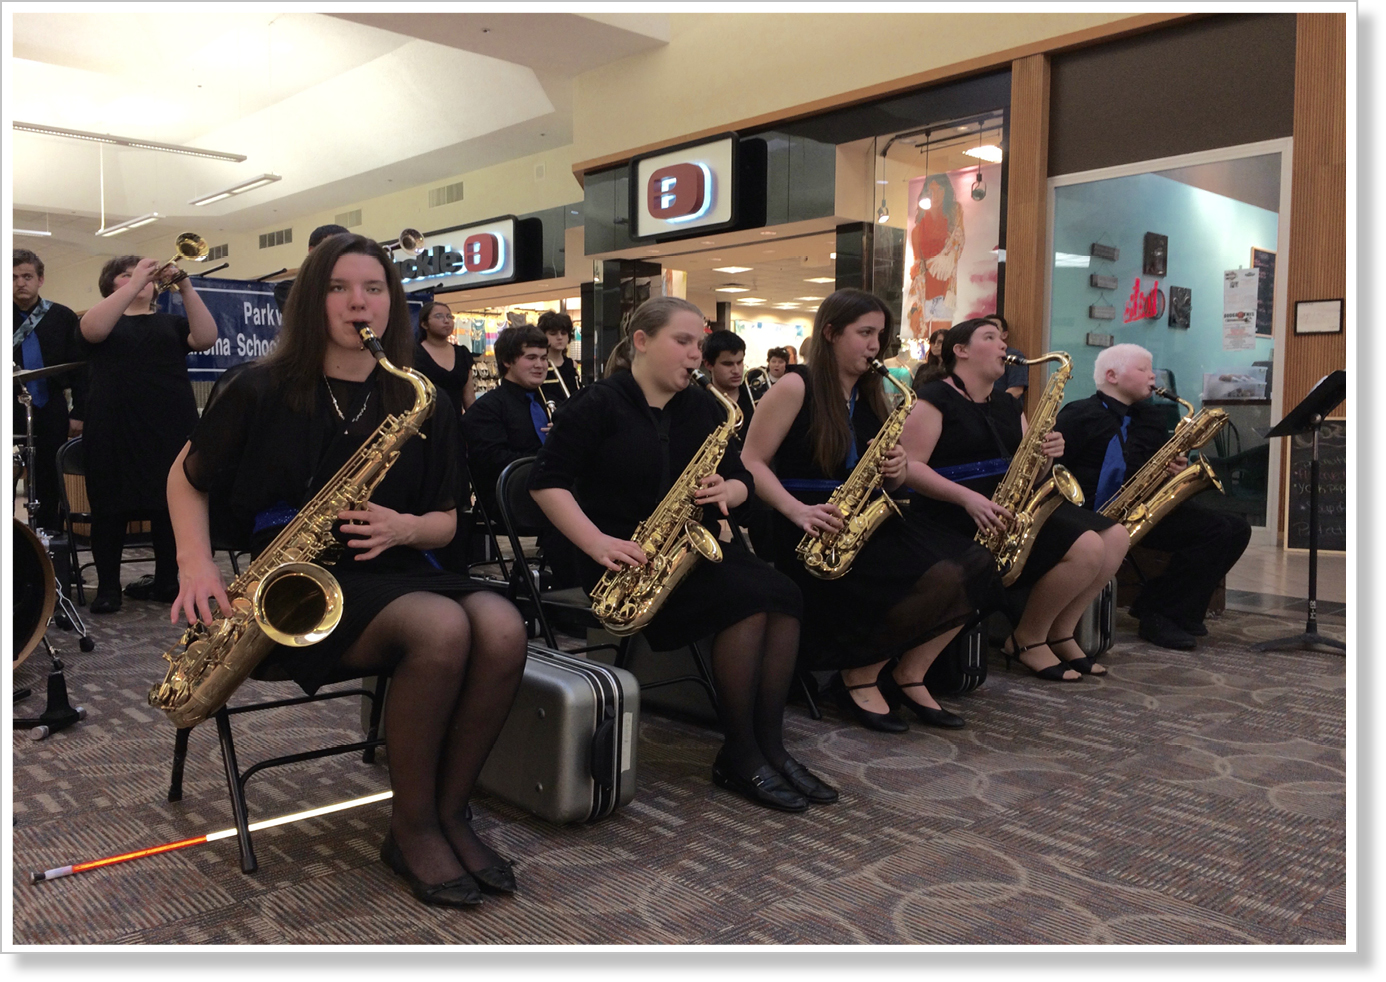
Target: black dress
(140,410)
(259,461)
(990,431)
(606,448)
(912,581)
(452,382)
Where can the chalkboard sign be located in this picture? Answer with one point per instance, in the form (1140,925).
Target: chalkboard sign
(1332,487)
(1264,260)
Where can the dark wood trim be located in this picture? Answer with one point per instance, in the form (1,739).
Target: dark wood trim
(1027,202)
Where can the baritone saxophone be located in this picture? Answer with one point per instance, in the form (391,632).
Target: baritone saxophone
(283,596)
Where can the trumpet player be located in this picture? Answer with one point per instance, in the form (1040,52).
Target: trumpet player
(562,380)
(960,440)
(1109,436)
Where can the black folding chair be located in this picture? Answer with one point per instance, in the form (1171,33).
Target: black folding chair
(522,517)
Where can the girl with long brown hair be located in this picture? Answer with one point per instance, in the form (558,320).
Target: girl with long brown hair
(913,587)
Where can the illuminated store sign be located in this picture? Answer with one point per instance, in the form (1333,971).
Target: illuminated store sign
(689,187)
(502,250)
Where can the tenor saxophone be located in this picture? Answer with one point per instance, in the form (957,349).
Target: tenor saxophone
(1029,509)
(283,597)
(1151,493)
(673,538)
(830,555)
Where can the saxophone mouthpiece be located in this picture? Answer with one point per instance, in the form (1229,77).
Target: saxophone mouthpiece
(368,338)
(699,376)
(1014,360)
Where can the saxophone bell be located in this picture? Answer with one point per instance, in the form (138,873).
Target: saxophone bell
(298,604)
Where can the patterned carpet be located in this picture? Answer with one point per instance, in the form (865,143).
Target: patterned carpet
(1187,798)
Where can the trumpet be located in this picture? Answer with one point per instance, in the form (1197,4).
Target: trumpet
(190,247)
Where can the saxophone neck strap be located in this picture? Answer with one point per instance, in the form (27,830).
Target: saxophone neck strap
(31,322)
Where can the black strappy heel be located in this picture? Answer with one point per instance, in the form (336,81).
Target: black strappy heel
(1053,673)
(1087,665)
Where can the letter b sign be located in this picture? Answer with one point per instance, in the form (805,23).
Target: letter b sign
(482,253)
(678,192)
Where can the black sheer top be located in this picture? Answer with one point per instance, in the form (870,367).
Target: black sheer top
(972,432)
(619,456)
(451,382)
(255,456)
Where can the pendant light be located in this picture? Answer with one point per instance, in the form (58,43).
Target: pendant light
(883,213)
(979,189)
(926,202)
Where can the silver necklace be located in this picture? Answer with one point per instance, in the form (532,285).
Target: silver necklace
(341,415)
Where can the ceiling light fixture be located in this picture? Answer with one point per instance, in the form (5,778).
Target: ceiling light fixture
(127,141)
(988,152)
(769,233)
(732,288)
(129,223)
(820,279)
(242,188)
(926,202)
(30,231)
(732,269)
(979,189)
(811,299)
(751,300)
(883,213)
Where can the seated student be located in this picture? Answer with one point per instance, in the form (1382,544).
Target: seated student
(1107,438)
(960,440)
(776,361)
(724,361)
(448,366)
(1017,377)
(613,453)
(914,584)
(511,421)
(558,328)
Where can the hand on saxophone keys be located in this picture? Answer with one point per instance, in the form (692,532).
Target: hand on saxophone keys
(616,554)
(1053,445)
(378,529)
(986,513)
(199,583)
(1177,464)
(894,463)
(817,519)
(715,490)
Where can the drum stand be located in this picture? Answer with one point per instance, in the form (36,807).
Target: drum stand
(58,714)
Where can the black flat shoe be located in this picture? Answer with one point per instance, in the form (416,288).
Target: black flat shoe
(766,787)
(808,784)
(895,696)
(141,589)
(1087,665)
(1160,630)
(881,722)
(496,879)
(461,892)
(1051,673)
(106,604)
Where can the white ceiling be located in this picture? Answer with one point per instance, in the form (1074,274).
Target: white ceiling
(344,107)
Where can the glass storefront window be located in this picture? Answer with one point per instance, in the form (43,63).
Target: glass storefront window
(1192,281)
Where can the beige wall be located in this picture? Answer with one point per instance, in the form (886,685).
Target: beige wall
(508,188)
(719,67)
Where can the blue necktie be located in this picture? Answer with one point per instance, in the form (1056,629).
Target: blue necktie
(1113,467)
(32,357)
(537,414)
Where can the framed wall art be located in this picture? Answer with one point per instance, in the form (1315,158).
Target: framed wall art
(1319,317)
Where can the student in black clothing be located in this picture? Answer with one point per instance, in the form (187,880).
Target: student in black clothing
(1017,377)
(447,365)
(46,333)
(960,447)
(724,361)
(276,432)
(1107,438)
(615,450)
(558,328)
(914,585)
(776,361)
(283,287)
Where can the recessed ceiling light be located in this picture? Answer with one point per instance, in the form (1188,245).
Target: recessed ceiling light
(832,255)
(769,233)
(810,299)
(787,306)
(750,300)
(988,152)
(732,289)
(820,279)
(733,269)
(708,242)
(882,182)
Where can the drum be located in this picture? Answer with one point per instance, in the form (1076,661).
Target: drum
(35,592)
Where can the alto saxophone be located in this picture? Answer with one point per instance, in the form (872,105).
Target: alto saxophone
(283,597)
(673,538)
(1151,493)
(1011,545)
(831,554)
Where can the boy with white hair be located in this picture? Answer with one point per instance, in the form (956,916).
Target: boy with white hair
(1107,438)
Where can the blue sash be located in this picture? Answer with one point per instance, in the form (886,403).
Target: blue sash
(980,468)
(283,513)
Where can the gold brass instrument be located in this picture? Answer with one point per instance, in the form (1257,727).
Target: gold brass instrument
(1029,509)
(1152,493)
(190,247)
(673,538)
(283,596)
(831,554)
(553,375)
(750,390)
(412,240)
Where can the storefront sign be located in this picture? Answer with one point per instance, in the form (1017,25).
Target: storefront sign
(496,251)
(686,188)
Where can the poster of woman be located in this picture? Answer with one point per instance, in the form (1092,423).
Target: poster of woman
(950,251)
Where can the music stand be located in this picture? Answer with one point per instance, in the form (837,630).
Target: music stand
(1308,416)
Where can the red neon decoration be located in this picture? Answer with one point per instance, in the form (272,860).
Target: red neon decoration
(1144,306)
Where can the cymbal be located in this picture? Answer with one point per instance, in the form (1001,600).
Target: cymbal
(28,375)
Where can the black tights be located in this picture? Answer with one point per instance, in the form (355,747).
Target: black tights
(108,542)
(752,668)
(457,665)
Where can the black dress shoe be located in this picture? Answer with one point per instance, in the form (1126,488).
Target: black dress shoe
(807,783)
(1160,630)
(106,603)
(895,696)
(461,892)
(141,589)
(496,879)
(766,787)
(1196,628)
(882,722)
